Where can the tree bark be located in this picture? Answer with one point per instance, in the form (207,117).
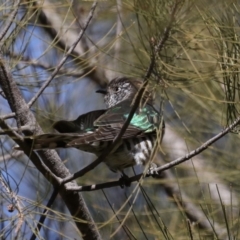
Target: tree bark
(51,165)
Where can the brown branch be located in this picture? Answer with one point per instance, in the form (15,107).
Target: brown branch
(14,129)
(200,149)
(64,37)
(7,157)
(28,61)
(7,116)
(34,157)
(64,59)
(161,169)
(191,210)
(51,165)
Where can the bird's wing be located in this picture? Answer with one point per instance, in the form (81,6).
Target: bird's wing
(107,125)
(144,119)
(111,122)
(82,124)
(69,130)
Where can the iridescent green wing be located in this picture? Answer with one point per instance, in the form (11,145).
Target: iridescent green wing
(84,123)
(144,120)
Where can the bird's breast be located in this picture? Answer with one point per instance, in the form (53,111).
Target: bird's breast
(131,152)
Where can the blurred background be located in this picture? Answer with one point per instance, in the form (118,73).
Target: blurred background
(196,82)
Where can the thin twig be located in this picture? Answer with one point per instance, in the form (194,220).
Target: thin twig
(56,189)
(165,166)
(125,228)
(7,116)
(15,155)
(118,30)
(51,165)
(137,100)
(49,67)
(44,214)
(10,20)
(64,57)
(34,157)
(15,205)
(186,205)
(8,130)
(117,46)
(64,36)
(200,149)
(12,129)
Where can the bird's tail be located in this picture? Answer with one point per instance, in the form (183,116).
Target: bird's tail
(51,140)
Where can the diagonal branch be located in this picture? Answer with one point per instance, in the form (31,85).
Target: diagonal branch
(51,165)
(64,37)
(64,59)
(203,147)
(174,163)
(190,209)
(10,21)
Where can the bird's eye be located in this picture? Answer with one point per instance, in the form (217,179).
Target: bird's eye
(116,89)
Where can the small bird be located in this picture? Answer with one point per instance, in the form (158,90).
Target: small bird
(94,131)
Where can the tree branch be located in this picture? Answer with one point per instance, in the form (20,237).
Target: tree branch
(161,169)
(65,37)
(52,166)
(70,50)
(10,21)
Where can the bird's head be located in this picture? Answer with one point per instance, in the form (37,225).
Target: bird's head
(120,89)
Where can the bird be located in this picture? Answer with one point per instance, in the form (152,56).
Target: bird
(95,131)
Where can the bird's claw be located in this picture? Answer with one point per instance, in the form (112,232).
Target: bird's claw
(152,170)
(124,181)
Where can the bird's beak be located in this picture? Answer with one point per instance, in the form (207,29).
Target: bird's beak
(103,91)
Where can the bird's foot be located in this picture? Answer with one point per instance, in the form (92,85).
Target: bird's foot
(152,170)
(124,180)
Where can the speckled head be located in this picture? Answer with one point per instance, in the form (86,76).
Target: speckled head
(120,89)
